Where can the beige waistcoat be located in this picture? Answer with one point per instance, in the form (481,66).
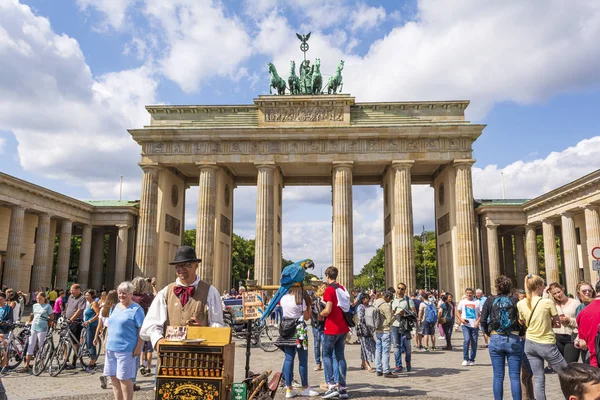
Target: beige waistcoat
(196,306)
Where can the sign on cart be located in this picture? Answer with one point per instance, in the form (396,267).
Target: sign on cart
(253,305)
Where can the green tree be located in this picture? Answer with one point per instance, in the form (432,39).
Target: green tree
(242,259)
(425,256)
(189,237)
(542,260)
(372,275)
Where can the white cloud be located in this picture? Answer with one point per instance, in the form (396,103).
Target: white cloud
(69,125)
(364,17)
(200,41)
(114,11)
(2,144)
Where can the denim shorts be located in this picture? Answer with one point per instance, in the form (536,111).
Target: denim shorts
(147,347)
(120,364)
(427,328)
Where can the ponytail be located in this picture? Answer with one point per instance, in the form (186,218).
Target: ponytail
(532,282)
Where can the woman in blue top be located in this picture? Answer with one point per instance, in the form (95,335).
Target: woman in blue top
(123,343)
(90,322)
(42,315)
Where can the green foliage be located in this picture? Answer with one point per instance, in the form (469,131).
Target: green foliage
(189,237)
(542,260)
(425,256)
(242,259)
(372,275)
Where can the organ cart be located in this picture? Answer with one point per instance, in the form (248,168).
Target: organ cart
(197,367)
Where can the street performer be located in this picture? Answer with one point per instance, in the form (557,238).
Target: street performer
(187,301)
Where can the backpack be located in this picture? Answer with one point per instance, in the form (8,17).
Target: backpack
(503,315)
(430,313)
(348,314)
(373,318)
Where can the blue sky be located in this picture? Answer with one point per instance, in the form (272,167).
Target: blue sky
(77,74)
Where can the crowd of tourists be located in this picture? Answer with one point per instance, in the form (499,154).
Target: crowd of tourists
(533,331)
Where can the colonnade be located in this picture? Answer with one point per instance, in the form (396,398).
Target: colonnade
(517,247)
(91,257)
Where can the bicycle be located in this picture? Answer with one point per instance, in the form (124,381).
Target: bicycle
(17,344)
(267,336)
(41,358)
(59,356)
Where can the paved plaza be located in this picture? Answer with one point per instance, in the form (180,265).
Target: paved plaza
(435,375)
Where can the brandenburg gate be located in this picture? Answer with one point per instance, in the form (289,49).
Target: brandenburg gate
(321,139)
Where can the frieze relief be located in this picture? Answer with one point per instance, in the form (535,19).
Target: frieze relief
(303,114)
(311,146)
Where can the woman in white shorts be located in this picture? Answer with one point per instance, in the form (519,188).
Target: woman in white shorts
(43,314)
(123,343)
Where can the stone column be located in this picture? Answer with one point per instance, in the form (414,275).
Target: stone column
(533,266)
(592,231)
(520,258)
(51,244)
(263,261)
(111,258)
(205,227)
(343,243)
(501,252)
(64,254)
(40,256)
(84,257)
(571,257)
(97,264)
(402,231)
(12,269)
(146,246)
(121,262)
(466,269)
(509,258)
(550,257)
(493,252)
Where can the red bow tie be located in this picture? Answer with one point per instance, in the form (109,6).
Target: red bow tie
(184,293)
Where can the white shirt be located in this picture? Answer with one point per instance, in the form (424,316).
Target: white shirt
(154,323)
(470,311)
(290,308)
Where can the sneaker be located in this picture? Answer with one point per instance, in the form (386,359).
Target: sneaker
(465,363)
(331,393)
(379,373)
(471,363)
(70,366)
(442,338)
(390,375)
(343,394)
(136,388)
(142,370)
(25,370)
(319,367)
(103,383)
(296,385)
(309,392)
(90,368)
(289,393)
(398,370)
(408,367)
(4,370)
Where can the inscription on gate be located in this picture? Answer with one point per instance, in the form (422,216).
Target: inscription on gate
(172,225)
(303,114)
(443,224)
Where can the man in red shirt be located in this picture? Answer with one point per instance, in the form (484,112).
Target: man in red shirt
(334,335)
(587,325)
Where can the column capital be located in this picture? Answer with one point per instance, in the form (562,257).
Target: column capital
(343,164)
(123,226)
(589,206)
(207,164)
(464,163)
(402,164)
(147,167)
(265,165)
(491,225)
(530,226)
(567,214)
(547,221)
(17,207)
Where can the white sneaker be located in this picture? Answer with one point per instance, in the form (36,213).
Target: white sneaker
(441,338)
(471,363)
(465,363)
(290,393)
(309,392)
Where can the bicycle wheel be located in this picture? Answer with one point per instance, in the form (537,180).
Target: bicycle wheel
(84,352)
(16,352)
(268,337)
(41,358)
(59,358)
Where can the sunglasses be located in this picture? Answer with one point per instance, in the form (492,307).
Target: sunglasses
(184,265)
(587,290)
(401,288)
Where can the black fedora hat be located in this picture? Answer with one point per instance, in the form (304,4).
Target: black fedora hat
(185,254)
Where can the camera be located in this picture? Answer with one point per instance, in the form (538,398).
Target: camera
(148,280)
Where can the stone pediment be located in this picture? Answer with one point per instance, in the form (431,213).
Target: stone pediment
(289,111)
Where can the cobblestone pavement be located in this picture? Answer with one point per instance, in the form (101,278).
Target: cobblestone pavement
(435,375)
